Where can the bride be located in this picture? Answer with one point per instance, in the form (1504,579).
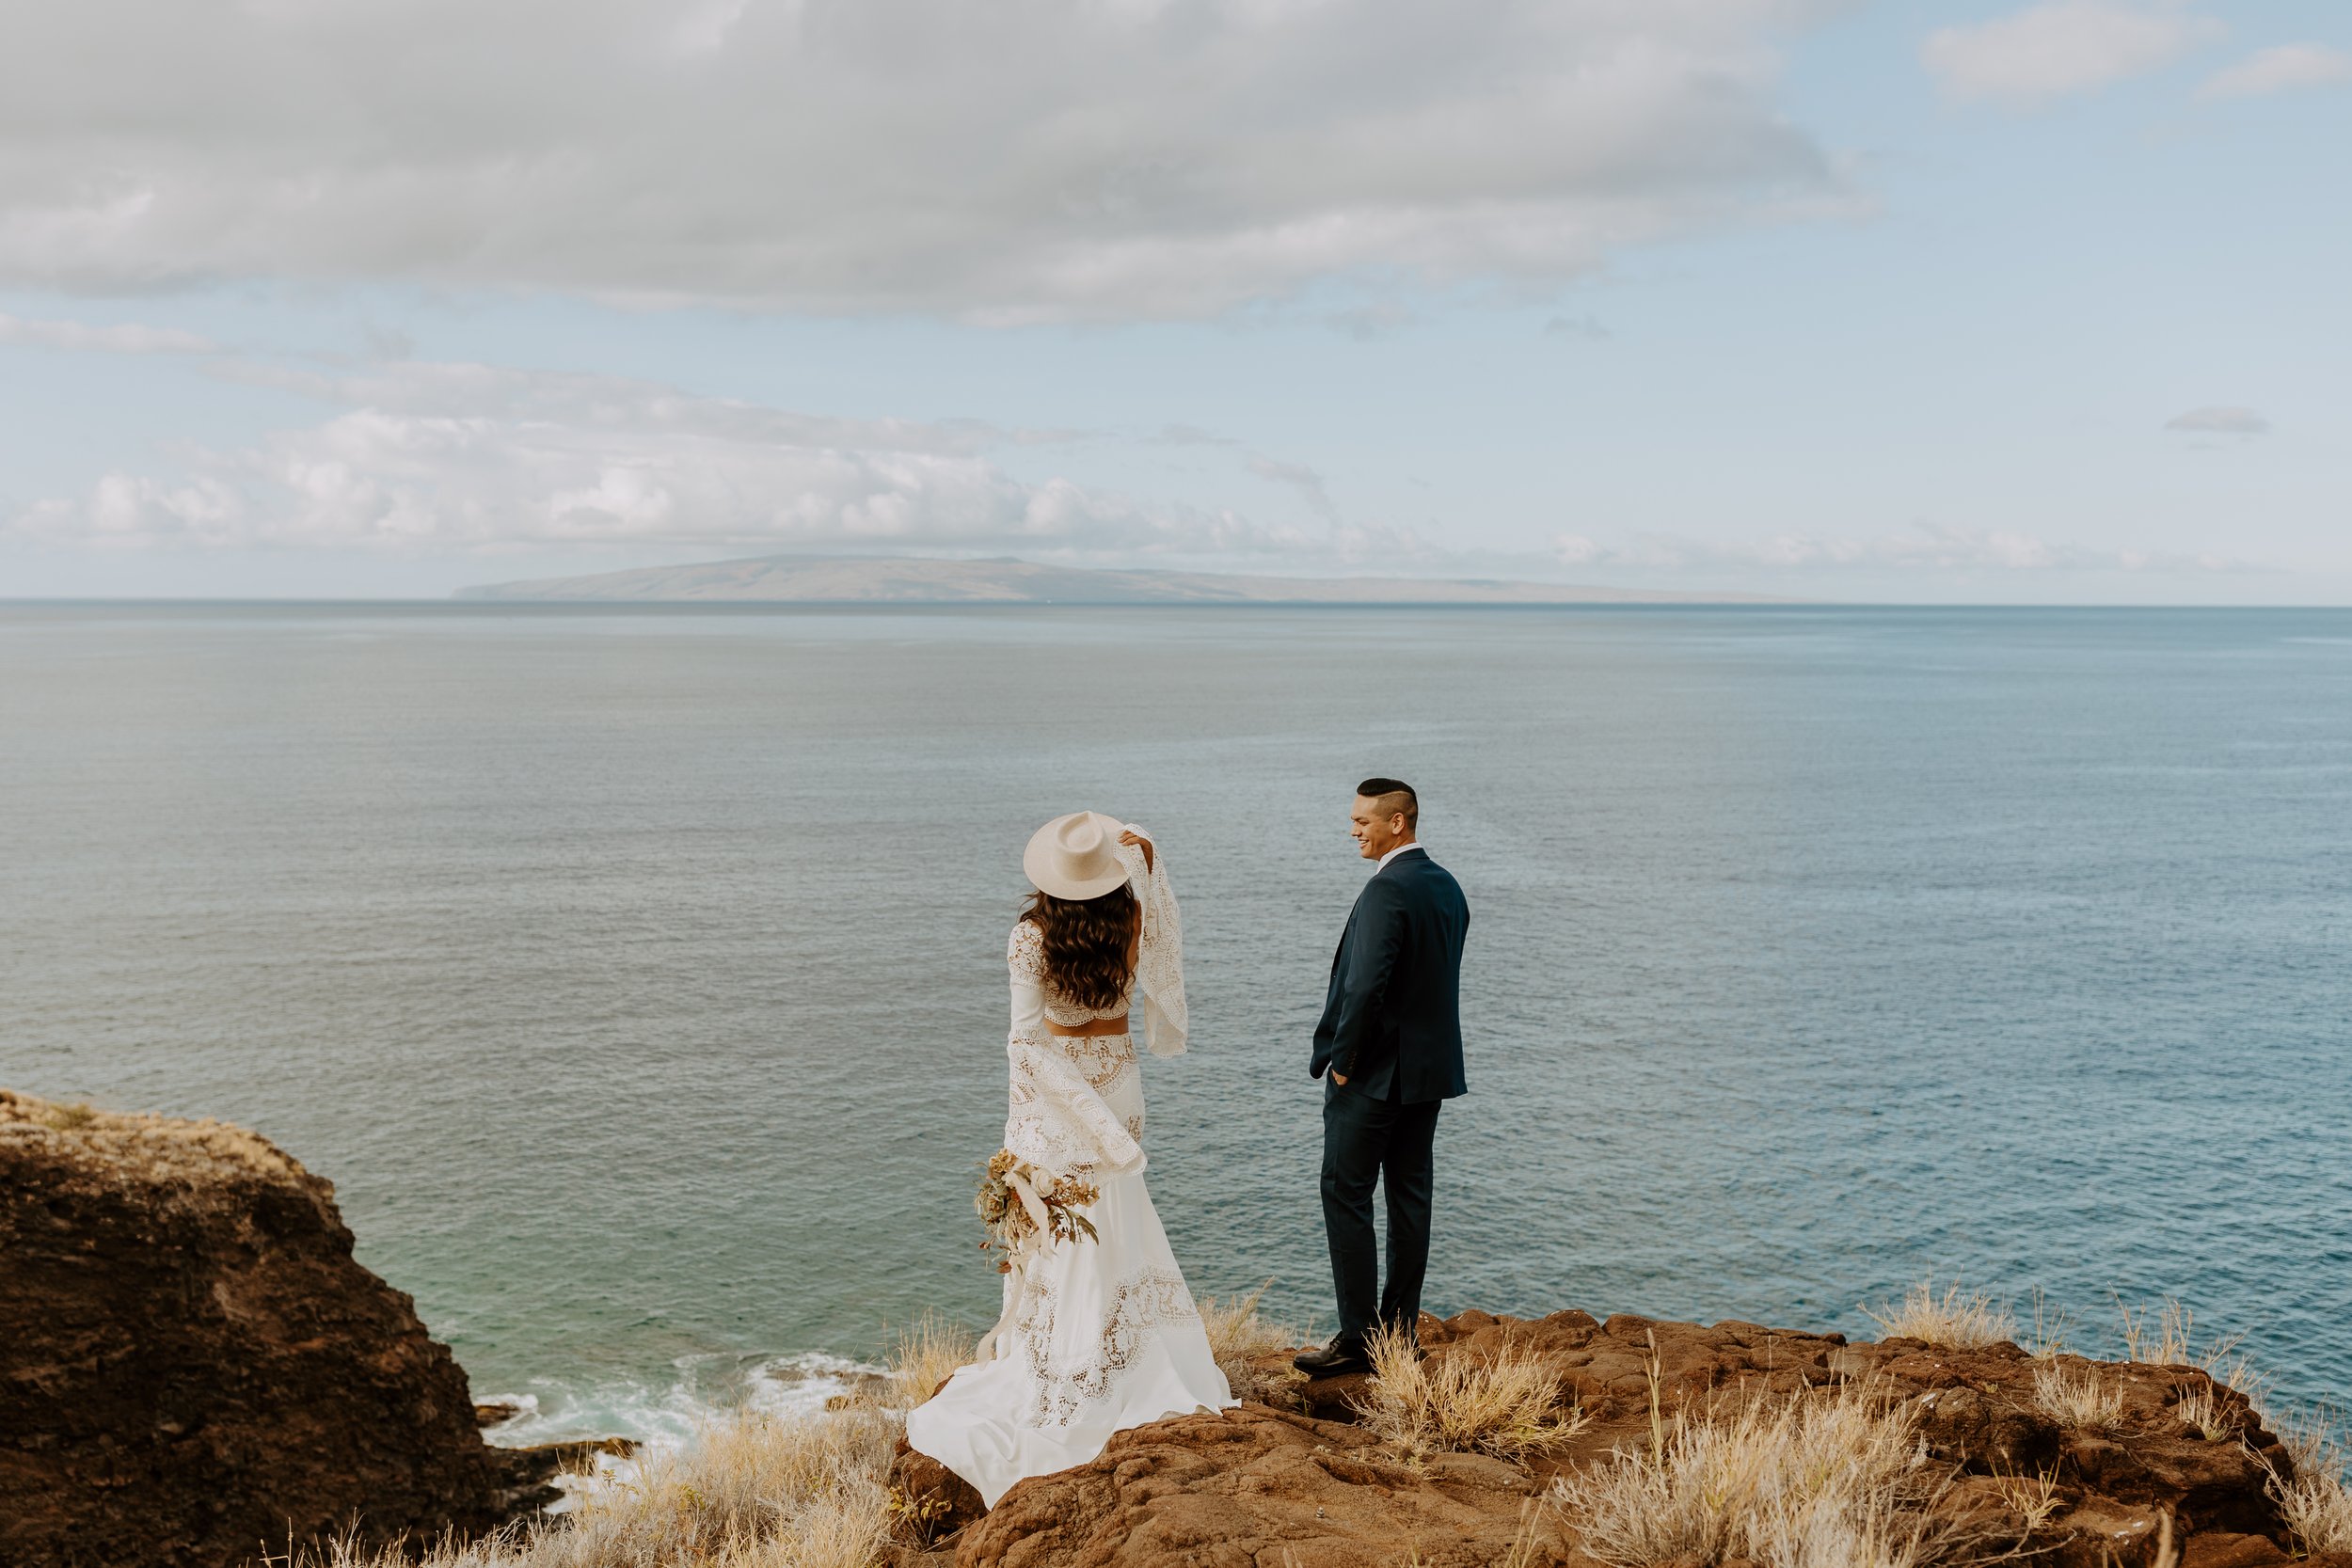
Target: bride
(1098,1335)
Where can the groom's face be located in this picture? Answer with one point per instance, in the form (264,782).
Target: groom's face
(1376,834)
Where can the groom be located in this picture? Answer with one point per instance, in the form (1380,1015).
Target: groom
(1392,1040)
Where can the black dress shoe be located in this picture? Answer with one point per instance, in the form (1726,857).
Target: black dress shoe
(1339,1359)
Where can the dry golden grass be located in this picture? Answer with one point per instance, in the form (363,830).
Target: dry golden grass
(163,1151)
(2317,1502)
(2035,1496)
(2308,1435)
(1835,1479)
(2204,1410)
(2157,1335)
(2165,1336)
(1239,1333)
(2238,1371)
(2078,1396)
(754,1493)
(1507,1404)
(926,1353)
(1536,1541)
(1962,1319)
(2049,1337)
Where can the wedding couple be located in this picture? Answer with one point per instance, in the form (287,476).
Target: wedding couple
(1098,1332)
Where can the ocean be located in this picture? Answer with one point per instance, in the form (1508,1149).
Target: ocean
(637,975)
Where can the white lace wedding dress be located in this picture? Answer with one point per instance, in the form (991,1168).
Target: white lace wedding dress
(1097,1335)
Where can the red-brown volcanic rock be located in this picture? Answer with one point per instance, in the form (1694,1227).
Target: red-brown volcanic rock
(1263,1488)
(193,1366)
(1249,1487)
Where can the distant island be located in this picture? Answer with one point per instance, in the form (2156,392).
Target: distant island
(893,580)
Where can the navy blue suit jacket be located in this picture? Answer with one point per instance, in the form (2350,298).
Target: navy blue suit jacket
(1391,1020)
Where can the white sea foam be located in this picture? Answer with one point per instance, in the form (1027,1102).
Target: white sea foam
(668,1417)
(706,1387)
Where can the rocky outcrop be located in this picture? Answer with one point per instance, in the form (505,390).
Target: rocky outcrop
(193,1367)
(1266,1488)
(1246,1488)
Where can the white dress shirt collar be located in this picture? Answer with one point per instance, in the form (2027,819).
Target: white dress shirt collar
(1400,849)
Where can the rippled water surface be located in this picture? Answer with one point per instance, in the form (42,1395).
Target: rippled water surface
(638,976)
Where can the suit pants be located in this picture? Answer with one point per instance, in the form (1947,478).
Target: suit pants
(1366,1141)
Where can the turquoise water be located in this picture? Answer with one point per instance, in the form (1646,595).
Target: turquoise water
(637,976)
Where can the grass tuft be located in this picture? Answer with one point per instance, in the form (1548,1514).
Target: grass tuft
(2035,1496)
(754,1493)
(2205,1412)
(1959,1319)
(1239,1333)
(2078,1397)
(2309,1436)
(934,1347)
(2049,1335)
(1833,1480)
(2164,1336)
(1506,1405)
(2317,1502)
(1529,1548)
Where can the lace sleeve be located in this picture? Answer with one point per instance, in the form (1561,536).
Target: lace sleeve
(1057,1123)
(1160,956)
(1025,951)
(1024,956)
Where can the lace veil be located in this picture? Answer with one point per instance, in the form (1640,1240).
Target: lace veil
(1160,956)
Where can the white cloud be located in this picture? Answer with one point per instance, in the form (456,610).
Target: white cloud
(122,338)
(2219,421)
(2280,70)
(586,402)
(1298,477)
(1057,159)
(2064,46)
(1924,548)
(454,457)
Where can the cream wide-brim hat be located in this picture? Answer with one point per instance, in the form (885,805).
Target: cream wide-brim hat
(1076,856)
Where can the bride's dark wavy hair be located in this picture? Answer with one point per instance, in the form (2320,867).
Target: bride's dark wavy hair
(1088,943)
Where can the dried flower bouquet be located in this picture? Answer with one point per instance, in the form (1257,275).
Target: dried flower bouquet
(1012,1228)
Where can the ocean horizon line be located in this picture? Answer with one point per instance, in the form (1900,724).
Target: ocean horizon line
(540,606)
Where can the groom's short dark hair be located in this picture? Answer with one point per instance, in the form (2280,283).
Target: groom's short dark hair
(1393,795)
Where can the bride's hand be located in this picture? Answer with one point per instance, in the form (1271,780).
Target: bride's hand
(1131,837)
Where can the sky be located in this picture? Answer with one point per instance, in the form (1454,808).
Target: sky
(1888,302)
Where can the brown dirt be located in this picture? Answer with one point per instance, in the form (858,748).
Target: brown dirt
(193,1367)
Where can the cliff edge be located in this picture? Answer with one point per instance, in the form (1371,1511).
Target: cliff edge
(193,1366)
(1689,1442)
(194,1371)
